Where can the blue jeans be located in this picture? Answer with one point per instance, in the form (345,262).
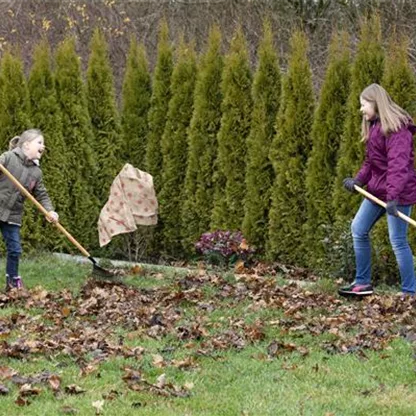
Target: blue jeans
(11,236)
(368,214)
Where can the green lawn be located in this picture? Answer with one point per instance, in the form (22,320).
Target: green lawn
(177,342)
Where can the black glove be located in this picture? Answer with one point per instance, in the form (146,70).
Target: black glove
(349,184)
(391,208)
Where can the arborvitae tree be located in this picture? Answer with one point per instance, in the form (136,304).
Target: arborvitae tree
(175,148)
(398,78)
(202,142)
(289,153)
(46,116)
(259,175)
(14,99)
(136,102)
(228,211)
(326,136)
(367,69)
(104,116)
(78,137)
(159,102)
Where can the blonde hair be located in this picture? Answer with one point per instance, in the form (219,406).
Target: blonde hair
(392,117)
(25,137)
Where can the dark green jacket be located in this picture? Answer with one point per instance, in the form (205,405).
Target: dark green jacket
(28,173)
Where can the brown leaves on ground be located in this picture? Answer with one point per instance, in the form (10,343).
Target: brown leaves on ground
(162,387)
(88,325)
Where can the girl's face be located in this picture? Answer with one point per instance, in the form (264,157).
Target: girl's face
(33,149)
(368,110)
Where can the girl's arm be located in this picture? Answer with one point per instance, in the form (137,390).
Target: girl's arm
(399,149)
(40,193)
(364,174)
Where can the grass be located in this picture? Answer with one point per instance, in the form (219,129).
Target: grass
(223,381)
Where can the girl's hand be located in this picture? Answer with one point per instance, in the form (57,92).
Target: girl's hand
(52,216)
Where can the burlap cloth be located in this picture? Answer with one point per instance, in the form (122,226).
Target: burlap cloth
(132,202)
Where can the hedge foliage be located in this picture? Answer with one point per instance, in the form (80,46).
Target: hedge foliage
(289,153)
(326,136)
(236,107)
(174,148)
(202,141)
(259,178)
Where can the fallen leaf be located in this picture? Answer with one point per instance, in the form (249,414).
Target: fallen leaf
(65,311)
(98,405)
(112,395)
(7,373)
(74,389)
(161,381)
(21,401)
(3,390)
(137,270)
(158,361)
(189,385)
(27,390)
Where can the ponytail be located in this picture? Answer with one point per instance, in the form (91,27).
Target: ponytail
(14,142)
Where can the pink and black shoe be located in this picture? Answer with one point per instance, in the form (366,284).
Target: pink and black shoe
(356,289)
(13,282)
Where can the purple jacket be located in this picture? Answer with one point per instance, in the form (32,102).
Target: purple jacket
(388,169)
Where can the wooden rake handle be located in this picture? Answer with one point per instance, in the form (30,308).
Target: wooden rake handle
(40,207)
(383,204)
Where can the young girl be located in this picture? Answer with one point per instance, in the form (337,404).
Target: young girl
(22,160)
(388,172)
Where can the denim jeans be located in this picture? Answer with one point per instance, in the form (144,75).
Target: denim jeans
(367,215)
(11,236)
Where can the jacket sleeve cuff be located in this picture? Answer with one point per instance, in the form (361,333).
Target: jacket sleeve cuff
(358,182)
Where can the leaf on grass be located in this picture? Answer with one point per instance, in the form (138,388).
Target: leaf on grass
(27,390)
(158,361)
(188,385)
(112,395)
(187,363)
(3,390)
(88,369)
(21,401)
(131,375)
(54,382)
(98,405)
(161,381)
(7,373)
(20,380)
(276,348)
(255,332)
(74,389)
